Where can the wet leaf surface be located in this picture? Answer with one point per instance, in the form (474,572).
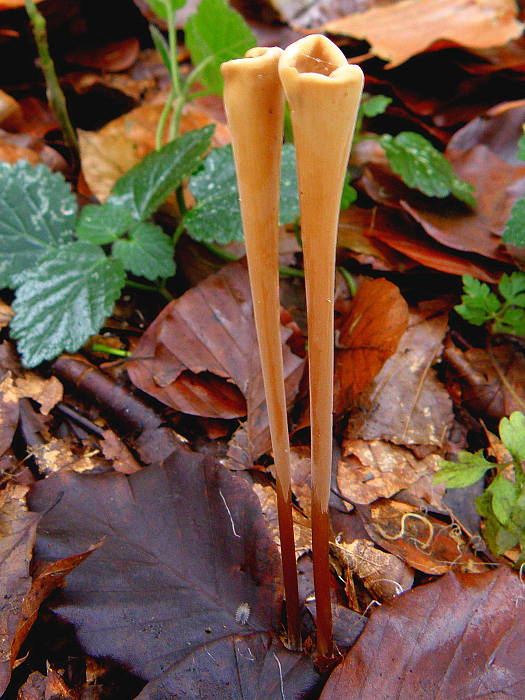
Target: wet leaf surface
(462,638)
(169,576)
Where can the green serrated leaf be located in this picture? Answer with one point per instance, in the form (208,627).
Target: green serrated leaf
(504,495)
(515,227)
(148,252)
(423,167)
(146,186)
(161,45)
(512,434)
(479,303)
(216,33)
(466,471)
(103,223)
(217,214)
(64,300)
(37,214)
(498,538)
(375,105)
(512,288)
(159,6)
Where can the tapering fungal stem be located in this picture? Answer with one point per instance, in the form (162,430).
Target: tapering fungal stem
(323,92)
(254,103)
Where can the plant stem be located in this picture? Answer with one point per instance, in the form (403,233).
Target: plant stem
(350,282)
(100,347)
(284,271)
(158,289)
(55,95)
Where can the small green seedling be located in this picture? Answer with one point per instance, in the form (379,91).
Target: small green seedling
(502,504)
(504,311)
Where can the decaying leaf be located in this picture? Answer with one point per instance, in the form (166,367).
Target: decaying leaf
(419,539)
(115,449)
(6,314)
(109,153)
(200,356)
(183,546)
(376,469)
(368,337)
(237,667)
(459,637)
(16,544)
(405,403)
(383,574)
(403,29)
(58,454)
(488,383)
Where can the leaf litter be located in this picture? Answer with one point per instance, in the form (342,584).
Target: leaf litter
(393,529)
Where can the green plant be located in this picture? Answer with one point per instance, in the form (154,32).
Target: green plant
(414,158)
(213,34)
(502,503)
(515,229)
(504,311)
(65,283)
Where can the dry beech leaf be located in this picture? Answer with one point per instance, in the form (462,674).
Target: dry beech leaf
(40,687)
(397,32)
(8,411)
(422,541)
(488,383)
(369,335)
(377,469)
(406,403)
(114,57)
(200,356)
(184,545)
(116,450)
(384,575)
(456,638)
(57,454)
(109,153)
(16,547)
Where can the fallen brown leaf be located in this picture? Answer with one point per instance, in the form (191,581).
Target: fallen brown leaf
(459,637)
(114,57)
(488,383)
(383,574)
(6,314)
(252,666)
(406,403)
(200,356)
(184,545)
(398,31)
(16,546)
(422,541)
(378,469)
(109,153)
(40,687)
(367,338)
(116,450)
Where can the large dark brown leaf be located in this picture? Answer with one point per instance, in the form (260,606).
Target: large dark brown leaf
(460,637)
(238,668)
(185,545)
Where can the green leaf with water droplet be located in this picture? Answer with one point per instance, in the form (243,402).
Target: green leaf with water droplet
(216,217)
(64,300)
(147,252)
(423,167)
(37,215)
